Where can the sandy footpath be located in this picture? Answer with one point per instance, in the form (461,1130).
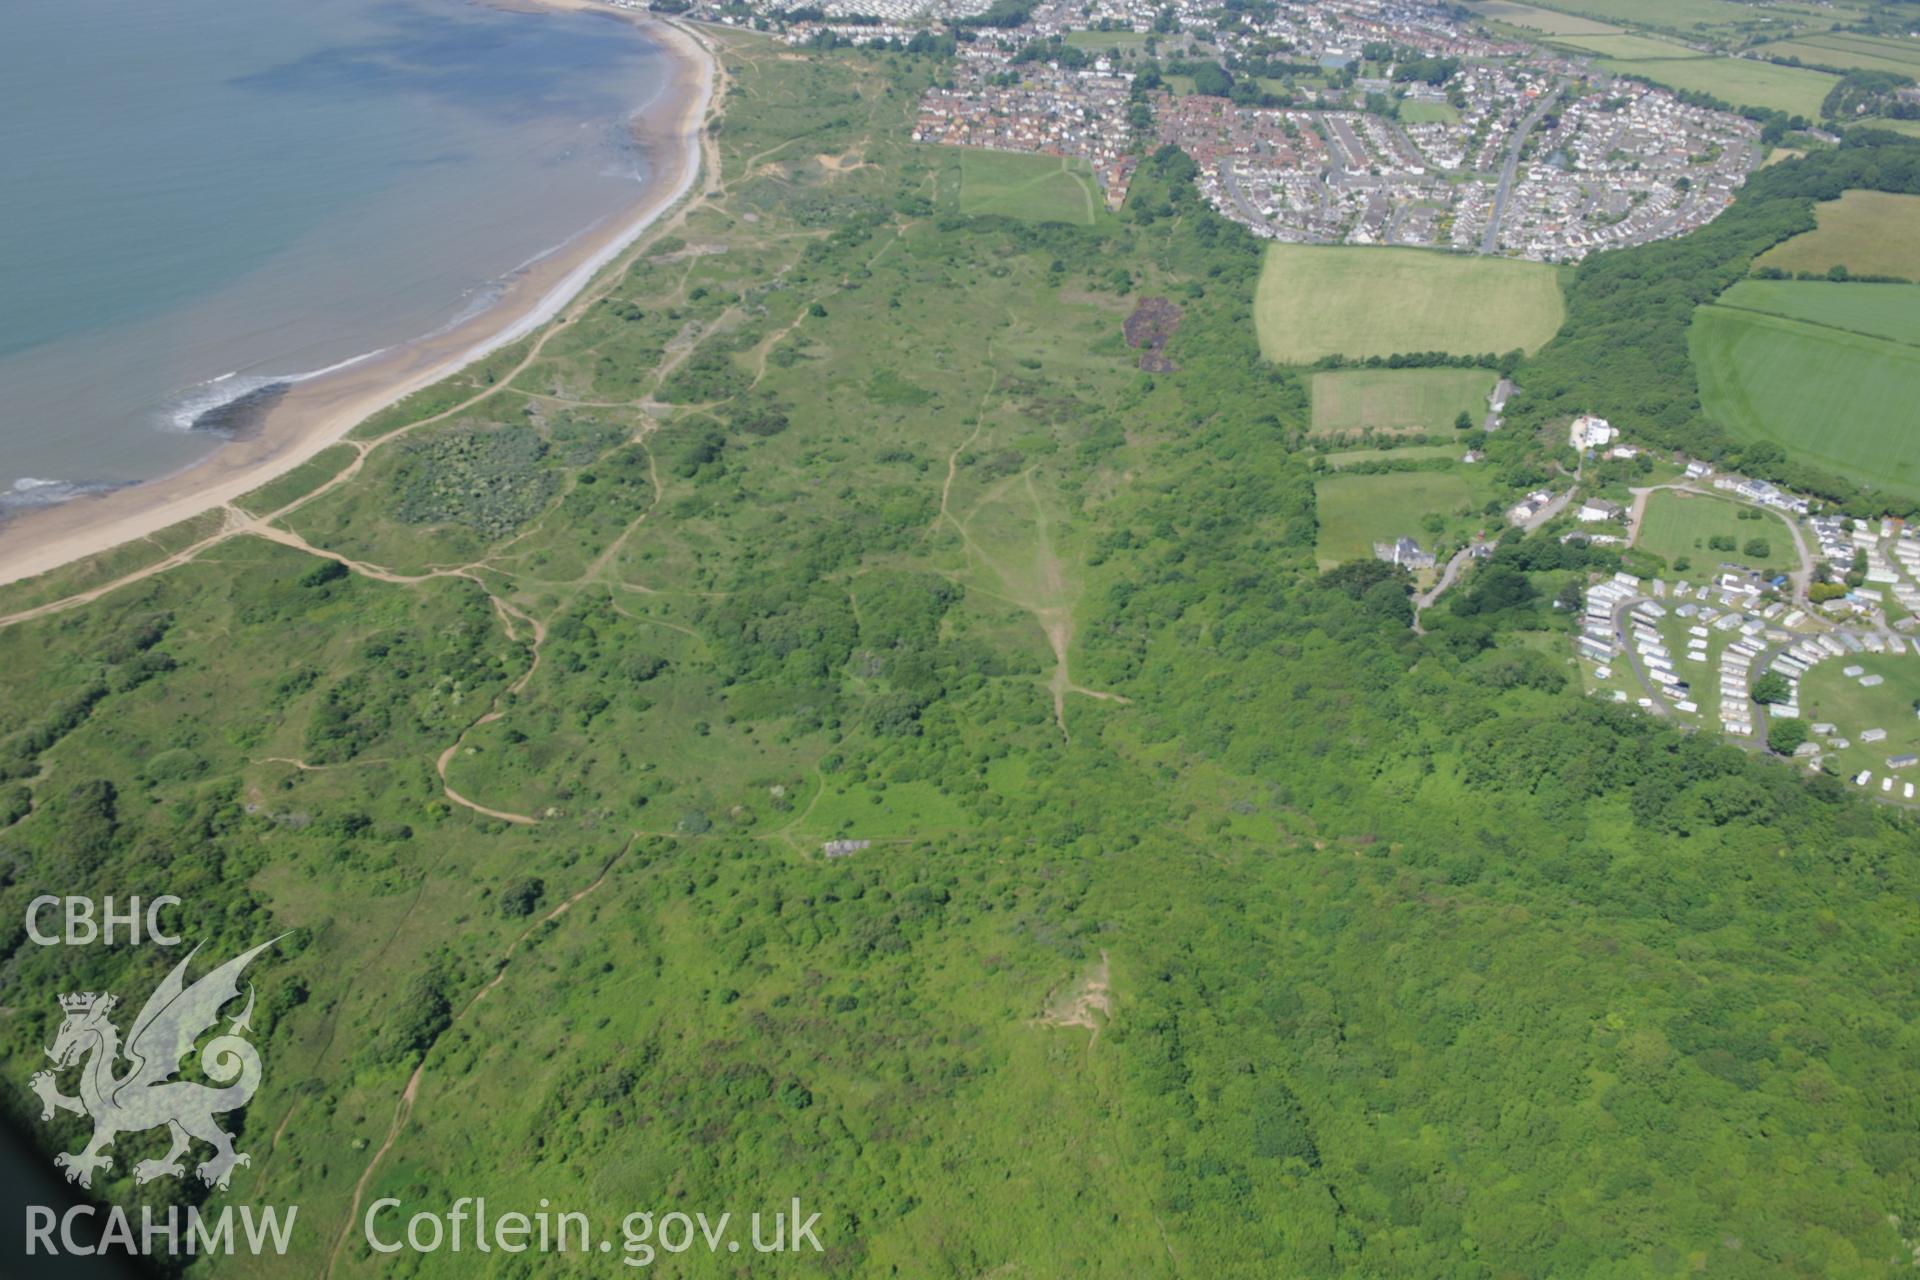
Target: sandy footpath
(315,413)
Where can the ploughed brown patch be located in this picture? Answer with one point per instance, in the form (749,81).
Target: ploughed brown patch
(1148,328)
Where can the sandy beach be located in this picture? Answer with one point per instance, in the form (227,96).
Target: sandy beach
(319,411)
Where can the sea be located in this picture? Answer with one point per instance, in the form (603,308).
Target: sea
(204,200)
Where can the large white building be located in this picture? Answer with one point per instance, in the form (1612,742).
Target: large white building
(1589,432)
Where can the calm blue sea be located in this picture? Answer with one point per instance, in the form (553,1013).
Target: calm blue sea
(202,196)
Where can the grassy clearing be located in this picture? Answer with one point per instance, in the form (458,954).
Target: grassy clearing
(1880,310)
(303,479)
(1397,399)
(1029,187)
(1867,232)
(1315,301)
(1838,400)
(1358,510)
(1679,525)
(1428,113)
(1537,19)
(1741,81)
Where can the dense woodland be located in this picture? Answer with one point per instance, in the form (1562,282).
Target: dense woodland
(1416,961)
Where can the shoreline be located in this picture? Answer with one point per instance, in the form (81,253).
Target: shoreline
(315,413)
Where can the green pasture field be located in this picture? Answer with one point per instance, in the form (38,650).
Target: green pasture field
(1537,19)
(1316,300)
(1679,15)
(1846,49)
(1867,232)
(1034,188)
(1107,39)
(1678,524)
(1626,45)
(1828,696)
(1358,510)
(1397,399)
(1740,81)
(1909,127)
(1878,310)
(1865,54)
(1838,400)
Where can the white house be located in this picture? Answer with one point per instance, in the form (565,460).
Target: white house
(1589,432)
(1596,509)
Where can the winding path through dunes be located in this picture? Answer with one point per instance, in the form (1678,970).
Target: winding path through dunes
(270,526)
(1047,601)
(410,1095)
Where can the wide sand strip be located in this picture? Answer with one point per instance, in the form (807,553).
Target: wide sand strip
(319,411)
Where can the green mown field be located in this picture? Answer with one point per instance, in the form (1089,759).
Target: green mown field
(1397,399)
(1316,301)
(1741,81)
(1031,187)
(1842,401)
(1879,310)
(1678,525)
(1358,510)
(1867,232)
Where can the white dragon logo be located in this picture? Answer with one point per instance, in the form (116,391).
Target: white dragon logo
(146,1096)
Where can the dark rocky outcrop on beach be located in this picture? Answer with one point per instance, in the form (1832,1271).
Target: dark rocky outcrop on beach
(240,417)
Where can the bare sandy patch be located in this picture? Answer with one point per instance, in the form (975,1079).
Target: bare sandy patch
(1086,1003)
